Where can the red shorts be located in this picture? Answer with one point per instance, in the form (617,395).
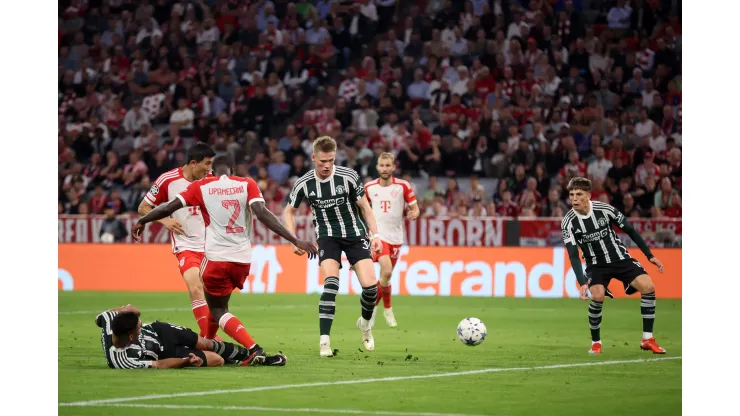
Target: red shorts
(388,249)
(220,278)
(187,259)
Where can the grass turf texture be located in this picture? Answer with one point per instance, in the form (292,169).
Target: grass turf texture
(521,333)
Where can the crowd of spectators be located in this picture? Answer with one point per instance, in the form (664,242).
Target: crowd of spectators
(520,94)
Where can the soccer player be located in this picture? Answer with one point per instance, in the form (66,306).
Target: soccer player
(227,203)
(388,197)
(187,231)
(338,203)
(129,344)
(588,226)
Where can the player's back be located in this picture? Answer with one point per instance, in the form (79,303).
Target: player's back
(165,189)
(225,202)
(388,203)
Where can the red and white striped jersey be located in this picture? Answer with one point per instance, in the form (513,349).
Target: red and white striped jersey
(165,189)
(388,203)
(225,202)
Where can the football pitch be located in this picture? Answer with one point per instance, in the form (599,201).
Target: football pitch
(533,361)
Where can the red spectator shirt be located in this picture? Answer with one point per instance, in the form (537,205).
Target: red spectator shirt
(510,209)
(485,87)
(451,112)
(574,169)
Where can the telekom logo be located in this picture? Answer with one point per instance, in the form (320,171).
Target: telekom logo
(385,205)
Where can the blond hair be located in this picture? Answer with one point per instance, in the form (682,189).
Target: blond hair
(387,155)
(324,144)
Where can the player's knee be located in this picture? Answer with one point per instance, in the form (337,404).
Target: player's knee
(598,297)
(196,292)
(218,313)
(649,287)
(385,276)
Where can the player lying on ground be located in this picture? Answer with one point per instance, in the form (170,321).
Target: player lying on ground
(588,226)
(335,194)
(128,344)
(187,231)
(388,197)
(226,203)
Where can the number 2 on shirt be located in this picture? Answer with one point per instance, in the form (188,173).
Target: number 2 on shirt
(236,206)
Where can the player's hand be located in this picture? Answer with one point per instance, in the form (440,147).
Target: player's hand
(136,231)
(584,292)
(377,245)
(297,250)
(657,262)
(412,214)
(132,308)
(172,225)
(194,360)
(307,247)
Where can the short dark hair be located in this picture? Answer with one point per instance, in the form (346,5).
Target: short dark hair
(223,165)
(200,151)
(124,324)
(579,183)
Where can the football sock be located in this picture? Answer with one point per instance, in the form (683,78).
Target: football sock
(367,301)
(594,319)
(234,328)
(212,327)
(230,352)
(385,293)
(328,304)
(201,312)
(647,308)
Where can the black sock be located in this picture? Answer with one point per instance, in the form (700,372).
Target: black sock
(594,319)
(328,304)
(367,301)
(230,352)
(647,308)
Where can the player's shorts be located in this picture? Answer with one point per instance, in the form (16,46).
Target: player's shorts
(187,259)
(356,249)
(390,250)
(177,342)
(220,278)
(623,270)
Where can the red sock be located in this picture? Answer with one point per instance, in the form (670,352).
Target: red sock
(234,328)
(385,292)
(212,327)
(202,314)
(380,290)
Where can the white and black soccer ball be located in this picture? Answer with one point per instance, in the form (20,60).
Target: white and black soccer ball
(471,331)
(107,238)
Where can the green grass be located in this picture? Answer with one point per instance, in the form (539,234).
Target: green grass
(521,333)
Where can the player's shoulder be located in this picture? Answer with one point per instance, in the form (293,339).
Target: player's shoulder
(305,178)
(404,183)
(169,176)
(372,183)
(602,206)
(344,171)
(568,218)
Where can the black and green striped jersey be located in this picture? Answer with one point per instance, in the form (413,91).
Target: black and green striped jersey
(333,202)
(594,235)
(139,354)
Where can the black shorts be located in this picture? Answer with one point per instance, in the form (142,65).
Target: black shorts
(623,270)
(177,342)
(356,249)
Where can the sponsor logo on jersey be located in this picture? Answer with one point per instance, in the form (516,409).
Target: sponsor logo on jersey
(590,238)
(328,203)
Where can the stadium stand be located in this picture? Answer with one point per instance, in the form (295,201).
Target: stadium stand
(490,106)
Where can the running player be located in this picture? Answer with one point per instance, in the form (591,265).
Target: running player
(588,226)
(338,203)
(388,197)
(227,203)
(127,344)
(187,231)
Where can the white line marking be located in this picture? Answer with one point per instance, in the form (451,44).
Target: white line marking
(285,410)
(360,381)
(189,309)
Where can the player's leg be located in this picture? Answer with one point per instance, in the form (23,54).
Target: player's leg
(358,254)
(644,284)
(384,289)
(330,255)
(597,286)
(190,263)
(230,353)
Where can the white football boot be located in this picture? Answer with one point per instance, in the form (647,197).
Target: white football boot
(389,318)
(367,334)
(325,346)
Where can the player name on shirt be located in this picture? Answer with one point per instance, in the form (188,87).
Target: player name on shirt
(226,191)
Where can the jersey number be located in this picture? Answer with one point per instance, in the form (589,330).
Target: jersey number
(236,206)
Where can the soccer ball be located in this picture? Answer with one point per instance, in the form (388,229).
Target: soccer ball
(471,331)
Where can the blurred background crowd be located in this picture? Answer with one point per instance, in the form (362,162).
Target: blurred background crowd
(490,106)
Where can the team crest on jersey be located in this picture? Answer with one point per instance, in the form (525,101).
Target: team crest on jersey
(394,192)
(154,190)
(602,221)
(340,189)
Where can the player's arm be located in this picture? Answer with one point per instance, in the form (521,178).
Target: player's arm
(620,220)
(294,201)
(410,197)
(171,224)
(413,212)
(191,196)
(367,212)
(162,211)
(575,261)
(168,363)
